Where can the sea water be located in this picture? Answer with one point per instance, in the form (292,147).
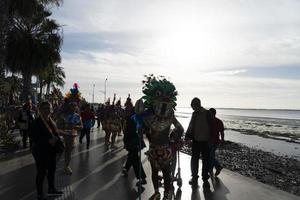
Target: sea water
(276,131)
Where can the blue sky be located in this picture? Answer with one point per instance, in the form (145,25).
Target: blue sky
(243,53)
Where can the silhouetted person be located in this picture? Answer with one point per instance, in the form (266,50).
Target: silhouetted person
(99,114)
(69,122)
(44,138)
(25,120)
(87,117)
(217,131)
(133,146)
(199,132)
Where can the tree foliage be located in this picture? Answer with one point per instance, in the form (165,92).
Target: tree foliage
(33,40)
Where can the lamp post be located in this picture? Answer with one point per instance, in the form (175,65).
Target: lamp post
(93,93)
(105,90)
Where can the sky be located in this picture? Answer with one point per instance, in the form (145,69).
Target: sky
(229,53)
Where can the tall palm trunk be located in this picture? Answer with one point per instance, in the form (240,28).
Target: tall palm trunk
(48,89)
(26,91)
(41,89)
(4,4)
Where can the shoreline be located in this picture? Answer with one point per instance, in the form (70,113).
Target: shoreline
(277,147)
(281,172)
(271,135)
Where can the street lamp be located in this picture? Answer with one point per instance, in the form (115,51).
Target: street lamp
(105,90)
(93,93)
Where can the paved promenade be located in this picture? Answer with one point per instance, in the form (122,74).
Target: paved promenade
(97,176)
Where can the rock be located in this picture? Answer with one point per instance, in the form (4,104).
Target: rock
(281,172)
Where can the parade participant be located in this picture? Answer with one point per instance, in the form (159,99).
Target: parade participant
(69,122)
(120,115)
(99,114)
(160,102)
(45,137)
(105,119)
(127,109)
(112,124)
(133,144)
(88,120)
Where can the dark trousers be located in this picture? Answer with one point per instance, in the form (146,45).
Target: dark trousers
(85,132)
(25,135)
(45,165)
(134,161)
(213,162)
(98,123)
(197,148)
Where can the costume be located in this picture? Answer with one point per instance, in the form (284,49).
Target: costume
(111,123)
(160,102)
(69,122)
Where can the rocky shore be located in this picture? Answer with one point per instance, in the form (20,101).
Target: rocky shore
(268,168)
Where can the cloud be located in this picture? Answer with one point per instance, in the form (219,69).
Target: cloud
(222,50)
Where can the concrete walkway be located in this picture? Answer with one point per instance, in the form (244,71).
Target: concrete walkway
(97,176)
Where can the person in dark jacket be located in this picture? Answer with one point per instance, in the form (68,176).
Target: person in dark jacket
(199,131)
(133,146)
(88,120)
(25,120)
(44,138)
(217,131)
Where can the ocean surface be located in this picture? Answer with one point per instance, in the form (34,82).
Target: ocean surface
(277,131)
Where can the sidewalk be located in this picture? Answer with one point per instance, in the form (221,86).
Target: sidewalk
(97,176)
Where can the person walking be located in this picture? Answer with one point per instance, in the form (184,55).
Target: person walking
(99,114)
(217,131)
(69,122)
(132,145)
(199,132)
(44,138)
(88,120)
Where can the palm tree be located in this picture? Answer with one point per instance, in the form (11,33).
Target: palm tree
(3,25)
(13,86)
(52,78)
(55,78)
(33,44)
(23,8)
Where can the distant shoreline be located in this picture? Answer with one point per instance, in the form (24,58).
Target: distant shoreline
(270,109)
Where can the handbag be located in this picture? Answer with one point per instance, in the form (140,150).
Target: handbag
(59,146)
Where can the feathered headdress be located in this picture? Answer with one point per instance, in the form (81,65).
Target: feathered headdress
(158,89)
(73,95)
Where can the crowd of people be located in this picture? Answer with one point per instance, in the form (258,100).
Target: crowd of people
(53,131)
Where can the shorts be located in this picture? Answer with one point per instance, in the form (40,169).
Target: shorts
(160,156)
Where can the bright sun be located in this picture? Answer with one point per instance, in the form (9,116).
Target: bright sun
(188,43)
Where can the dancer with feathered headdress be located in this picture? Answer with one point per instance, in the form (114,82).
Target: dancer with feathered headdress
(160,102)
(69,122)
(112,123)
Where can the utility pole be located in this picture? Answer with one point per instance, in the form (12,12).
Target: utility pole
(93,93)
(105,90)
